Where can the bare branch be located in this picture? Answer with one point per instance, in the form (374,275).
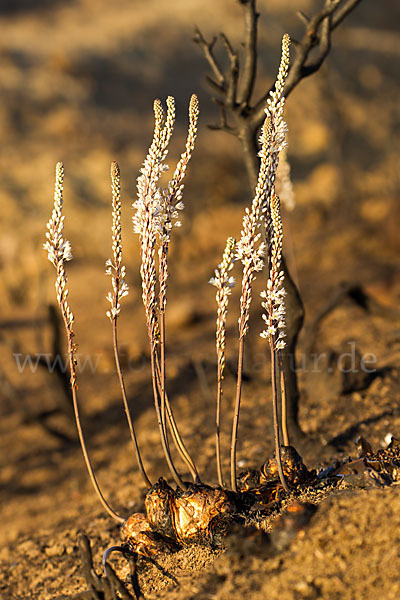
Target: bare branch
(342,12)
(213,84)
(230,100)
(328,9)
(324,45)
(250,51)
(222,127)
(311,39)
(207,48)
(223,122)
(303,18)
(318,34)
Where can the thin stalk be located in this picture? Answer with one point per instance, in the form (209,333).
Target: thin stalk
(126,406)
(162,362)
(58,252)
(179,443)
(119,290)
(164,438)
(218,426)
(224,283)
(284,414)
(89,467)
(180,446)
(276,421)
(235,425)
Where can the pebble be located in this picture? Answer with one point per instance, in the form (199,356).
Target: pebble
(29,548)
(55,550)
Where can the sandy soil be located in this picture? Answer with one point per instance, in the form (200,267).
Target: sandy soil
(78,80)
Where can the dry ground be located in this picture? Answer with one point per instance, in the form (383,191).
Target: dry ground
(77,84)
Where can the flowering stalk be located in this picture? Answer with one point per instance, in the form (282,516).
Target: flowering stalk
(146,222)
(284,184)
(274,295)
(119,290)
(251,253)
(145,218)
(170,205)
(224,284)
(171,201)
(58,252)
(249,250)
(274,318)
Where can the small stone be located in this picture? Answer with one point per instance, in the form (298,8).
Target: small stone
(55,550)
(29,548)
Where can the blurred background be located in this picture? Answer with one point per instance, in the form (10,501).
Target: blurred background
(77,83)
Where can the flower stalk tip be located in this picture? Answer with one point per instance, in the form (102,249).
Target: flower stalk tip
(114,266)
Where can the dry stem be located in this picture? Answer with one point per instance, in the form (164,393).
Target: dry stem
(276,420)
(284,415)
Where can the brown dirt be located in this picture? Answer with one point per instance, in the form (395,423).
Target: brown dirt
(78,81)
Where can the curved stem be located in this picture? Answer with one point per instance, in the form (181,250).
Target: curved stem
(164,439)
(161,367)
(89,467)
(284,416)
(276,422)
(235,425)
(180,446)
(126,406)
(218,423)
